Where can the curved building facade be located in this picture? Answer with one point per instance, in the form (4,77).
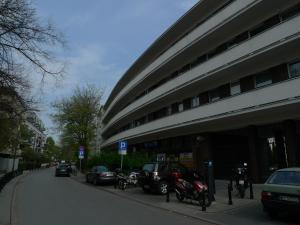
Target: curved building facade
(221,84)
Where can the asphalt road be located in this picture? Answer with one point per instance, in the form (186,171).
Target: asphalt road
(42,199)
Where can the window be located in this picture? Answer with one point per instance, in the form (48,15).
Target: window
(195,101)
(180,107)
(235,88)
(169,110)
(174,74)
(149,167)
(187,103)
(184,69)
(174,107)
(291,12)
(203,98)
(263,79)
(214,95)
(198,61)
(238,39)
(294,69)
(265,25)
(285,178)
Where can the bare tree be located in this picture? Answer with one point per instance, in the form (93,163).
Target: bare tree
(23,38)
(24,41)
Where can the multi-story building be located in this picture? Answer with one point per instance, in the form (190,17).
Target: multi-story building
(221,83)
(36,126)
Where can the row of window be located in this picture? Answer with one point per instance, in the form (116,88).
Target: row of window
(275,20)
(193,28)
(270,76)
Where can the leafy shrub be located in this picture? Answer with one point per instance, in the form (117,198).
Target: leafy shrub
(112,160)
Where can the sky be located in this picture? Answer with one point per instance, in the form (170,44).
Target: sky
(104,38)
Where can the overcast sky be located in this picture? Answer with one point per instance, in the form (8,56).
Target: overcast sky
(104,38)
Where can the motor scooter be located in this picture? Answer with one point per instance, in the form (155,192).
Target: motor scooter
(193,190)
(241,179)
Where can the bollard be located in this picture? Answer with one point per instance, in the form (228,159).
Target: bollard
(203,201)
(251,190)
(229,195)
(168,194)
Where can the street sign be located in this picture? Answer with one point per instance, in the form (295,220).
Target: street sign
(123,145)
(81,152)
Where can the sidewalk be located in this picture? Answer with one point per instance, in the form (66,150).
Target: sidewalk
(6,196)
(218,213)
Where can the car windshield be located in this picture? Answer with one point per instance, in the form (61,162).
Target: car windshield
(102,169)
(149,167)
(285,178)
(62,166)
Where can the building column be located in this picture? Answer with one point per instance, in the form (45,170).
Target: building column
(202,151)
(291,142)
(280,148)
(253,156)
(264,162)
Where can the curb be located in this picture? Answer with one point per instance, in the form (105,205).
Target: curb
(151,205)
(12,219)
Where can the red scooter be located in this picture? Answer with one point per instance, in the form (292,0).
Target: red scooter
(193,190)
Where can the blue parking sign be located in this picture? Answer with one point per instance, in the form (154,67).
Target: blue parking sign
(123,145)
(81,152)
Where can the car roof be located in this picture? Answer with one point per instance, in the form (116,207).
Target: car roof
(297,169)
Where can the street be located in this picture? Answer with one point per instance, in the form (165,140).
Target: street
(42,199)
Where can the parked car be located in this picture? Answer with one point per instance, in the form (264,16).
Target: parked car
(100,174)
(281,192)
(159,176)
(62,170)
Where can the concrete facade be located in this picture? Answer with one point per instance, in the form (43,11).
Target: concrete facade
(228,77)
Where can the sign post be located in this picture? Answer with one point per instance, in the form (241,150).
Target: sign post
(80,156)
(123,145)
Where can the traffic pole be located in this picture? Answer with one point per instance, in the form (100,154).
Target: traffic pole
(251,190)
(80,165)
(121,162)
(203,201)
(229,195)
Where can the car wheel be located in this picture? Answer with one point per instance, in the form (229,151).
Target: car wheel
(180,197)
(146,190)
(95,182)
(163,187)
(272,214)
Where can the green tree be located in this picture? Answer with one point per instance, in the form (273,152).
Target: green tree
(52,152)
(76,118)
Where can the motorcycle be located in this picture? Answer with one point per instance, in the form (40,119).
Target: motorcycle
(241,179)
(122,180)
(193,190)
